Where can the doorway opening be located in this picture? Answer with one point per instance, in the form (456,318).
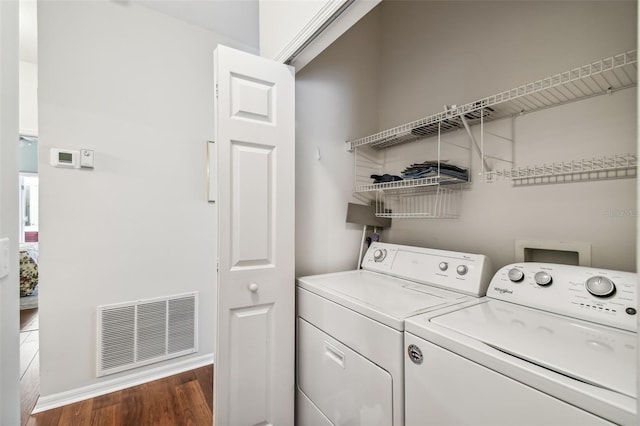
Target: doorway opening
(29,276)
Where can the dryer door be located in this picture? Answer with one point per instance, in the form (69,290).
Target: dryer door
(345,386)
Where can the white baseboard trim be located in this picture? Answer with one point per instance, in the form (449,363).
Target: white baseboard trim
(107,386)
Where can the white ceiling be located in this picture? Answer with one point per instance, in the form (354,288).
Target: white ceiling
(235,19)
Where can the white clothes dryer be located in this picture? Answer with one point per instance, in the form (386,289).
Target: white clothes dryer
(549,345)
(350,329)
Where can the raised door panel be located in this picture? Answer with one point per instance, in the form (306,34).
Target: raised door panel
(252,338)
(252,199)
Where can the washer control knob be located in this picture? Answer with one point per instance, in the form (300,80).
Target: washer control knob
(462,270)
(516,275)
(443,266)
(379,255)
(600,286)
(542,278)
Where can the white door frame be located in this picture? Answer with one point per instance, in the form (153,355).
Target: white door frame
(9,217)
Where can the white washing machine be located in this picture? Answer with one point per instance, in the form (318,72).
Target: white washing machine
(350,329)
(549,345)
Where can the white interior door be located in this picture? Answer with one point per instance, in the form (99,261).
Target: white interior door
(255,345)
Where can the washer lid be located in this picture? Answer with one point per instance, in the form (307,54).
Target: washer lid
(594,354)
(383,298)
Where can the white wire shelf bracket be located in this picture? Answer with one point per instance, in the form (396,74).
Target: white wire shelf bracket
(410,183)
(603,168)
(598,78)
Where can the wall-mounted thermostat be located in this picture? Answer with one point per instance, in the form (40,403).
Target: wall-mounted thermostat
(65,158)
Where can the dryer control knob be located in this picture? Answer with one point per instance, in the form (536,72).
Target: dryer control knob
(443,266)
(462,270)
(379,255)
(542,278)
(516,275)
(600,286)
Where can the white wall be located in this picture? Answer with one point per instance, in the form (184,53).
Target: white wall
(136,86)
(336,98)
(437,53)
(461,51)
(28,98)
(9,318)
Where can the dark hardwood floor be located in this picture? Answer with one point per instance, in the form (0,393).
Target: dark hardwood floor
(183,399)
(29,362)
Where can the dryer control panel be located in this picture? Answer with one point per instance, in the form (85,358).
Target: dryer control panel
(599,295)
(463,272)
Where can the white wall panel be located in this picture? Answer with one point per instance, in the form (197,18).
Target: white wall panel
(336,100)
(9,318)
(135,86)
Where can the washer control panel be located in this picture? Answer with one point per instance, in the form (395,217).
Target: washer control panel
(462,272)
(379,254)
(599,295)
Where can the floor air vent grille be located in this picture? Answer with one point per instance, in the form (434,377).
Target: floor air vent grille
(138,333)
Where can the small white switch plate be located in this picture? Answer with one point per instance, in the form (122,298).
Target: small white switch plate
(86,158)
(4,257)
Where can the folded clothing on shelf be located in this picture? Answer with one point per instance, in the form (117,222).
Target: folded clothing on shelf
(385,178)
(430,168)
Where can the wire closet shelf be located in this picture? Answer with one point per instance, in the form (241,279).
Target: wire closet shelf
(615,167)
(439,196)
(598,78)
(412,184)
(441,202)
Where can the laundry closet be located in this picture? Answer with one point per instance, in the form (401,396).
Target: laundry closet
(405,61)
(506,129)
